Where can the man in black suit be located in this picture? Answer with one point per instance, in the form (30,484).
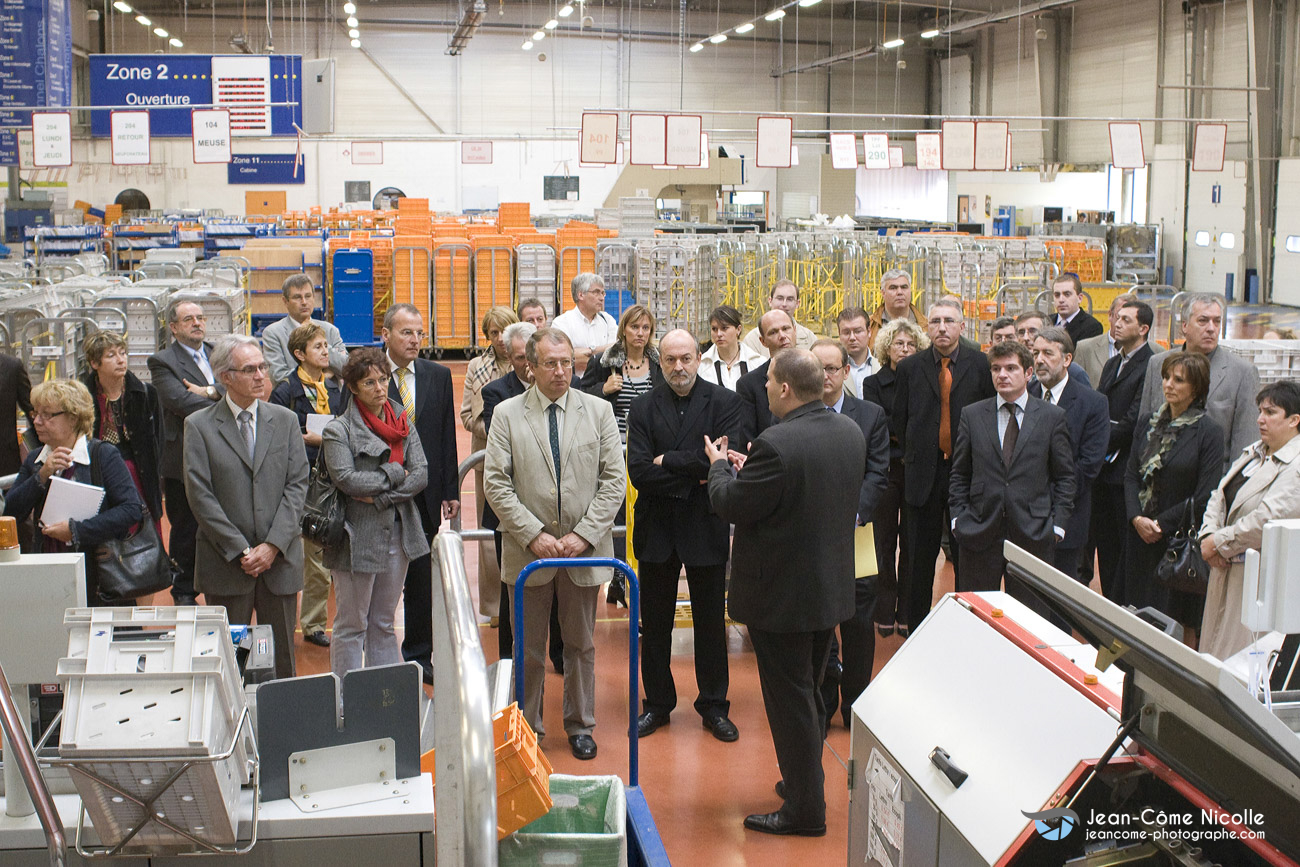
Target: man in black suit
(794,504)
(776,332)
(925,421)
(853,676)
(1121,384)
(182,375)
(1012,476)
(675,526)
(1067,295)
(424,388)
(15,394)
(1089,426)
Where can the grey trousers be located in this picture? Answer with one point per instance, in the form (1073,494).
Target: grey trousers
(577,607)
(278,612)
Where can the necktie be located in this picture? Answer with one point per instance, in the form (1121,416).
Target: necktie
(201,359)
(945,412)
(1013,433)
(246,431)
(1047,396)
(405,392)
(553,423)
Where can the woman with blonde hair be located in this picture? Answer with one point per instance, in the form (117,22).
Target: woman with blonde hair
(493,364)
(64,417)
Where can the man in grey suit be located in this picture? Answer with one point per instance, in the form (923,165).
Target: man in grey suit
(246,478)
(1092,353)
(1233,380)
(299,302)
(554,475)
(1012,475)
(182,375)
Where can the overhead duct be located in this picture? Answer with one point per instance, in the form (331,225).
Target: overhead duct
(470,20)
(967,24)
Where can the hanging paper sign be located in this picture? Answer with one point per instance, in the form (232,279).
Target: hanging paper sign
(26,149)
(476,153)
(210,130)
(958,152)
(367,153)
(794,155)
(775,139)
(895,157)
(704,150)
(130,131)
(844,150)
(875,150)
(1208,146)
(683,139)
(649,137)
(991,145)
(929,151)
(51,138)
(1126,150)
(1008,151)
(599,137)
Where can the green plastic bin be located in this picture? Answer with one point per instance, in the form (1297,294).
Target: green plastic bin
(586,827)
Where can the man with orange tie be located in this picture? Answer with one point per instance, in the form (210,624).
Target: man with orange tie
(932,388)
(423,387)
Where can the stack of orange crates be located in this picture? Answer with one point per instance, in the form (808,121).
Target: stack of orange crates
(411,257)
(453,303)
(575,245)
(523,772)
(1076,256)
(513,215)
(494,277)
(382,246)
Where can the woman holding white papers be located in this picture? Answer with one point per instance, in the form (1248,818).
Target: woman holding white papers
(316,400)
(63,417)
(127,414)
(374,458)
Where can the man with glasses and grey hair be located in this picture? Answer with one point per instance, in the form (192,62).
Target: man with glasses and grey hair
(587,324)
(895,303)
(1233,380)
(182,375)
(423,388)
(246,480)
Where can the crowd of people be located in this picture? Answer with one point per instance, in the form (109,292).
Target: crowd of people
(1085,448)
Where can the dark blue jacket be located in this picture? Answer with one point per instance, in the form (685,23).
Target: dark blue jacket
(118,514)
(290,394)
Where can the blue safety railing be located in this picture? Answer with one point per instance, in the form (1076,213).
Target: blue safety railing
(645,846)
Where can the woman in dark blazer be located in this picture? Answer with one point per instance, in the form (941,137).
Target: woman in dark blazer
(301,392)
(898,339)
(1177,457)
(63,417)
(127,414)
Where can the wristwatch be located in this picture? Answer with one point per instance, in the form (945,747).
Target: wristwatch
(212,392)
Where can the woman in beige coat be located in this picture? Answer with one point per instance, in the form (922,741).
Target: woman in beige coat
(1262,485)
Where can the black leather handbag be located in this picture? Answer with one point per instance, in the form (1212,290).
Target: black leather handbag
(135,566)
(1182,567)
(323,517)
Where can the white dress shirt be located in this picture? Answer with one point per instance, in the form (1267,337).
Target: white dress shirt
(859,372)
(600,330)
(235,410)
(1057,390)
(80,453)
(713,369)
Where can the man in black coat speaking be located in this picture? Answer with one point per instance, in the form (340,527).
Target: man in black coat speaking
(794,502)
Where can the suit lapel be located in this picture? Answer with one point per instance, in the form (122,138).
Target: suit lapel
(535,415)
(931,369)
(186,362)
(1033,409)
(698,406)
(262,439)
(1218,382)
(1263,477)
(229,429)
(663,405)
(423,385)
(574,416)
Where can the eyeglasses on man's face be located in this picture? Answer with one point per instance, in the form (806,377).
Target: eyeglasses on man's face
(252,369)
(556,365)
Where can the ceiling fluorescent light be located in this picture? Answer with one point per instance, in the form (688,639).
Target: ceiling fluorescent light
(774,15)
(745,28)
(528,43)
(160,33)
(806,3)
(356,43)
(566,10)
(145,21)
(176,43)
(893,43)
(352,21)
(349,9)
(354,34)
(552,24)
(539,35)
(699,46)
(929,34)
(122,7)
(718,38)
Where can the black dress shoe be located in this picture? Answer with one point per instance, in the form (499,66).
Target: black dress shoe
(723,729)
(884,630)
(903,630)
(318,638)
(780,789)
(775,823)
(183,600)
(583,747)
(649,721)
(426,674)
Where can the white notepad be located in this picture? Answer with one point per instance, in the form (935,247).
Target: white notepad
(69,500)
(316,422)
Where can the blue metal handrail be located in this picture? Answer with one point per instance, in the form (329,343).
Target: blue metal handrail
(634,617)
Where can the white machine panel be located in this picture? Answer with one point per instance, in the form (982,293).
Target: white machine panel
(1286,247)
(1013,725)
(37,589)
(1216,228)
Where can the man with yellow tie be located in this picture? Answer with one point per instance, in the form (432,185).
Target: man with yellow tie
(424,388)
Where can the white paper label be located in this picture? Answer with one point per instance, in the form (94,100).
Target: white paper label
(26,150)
(130,138)
(210,129)
(599,136)
(1210,142)
(775,138)
(51,138)
(684,133)
(929,151)
(844,150)
(649,139)
(895,157)
(1126,146)
(476,152)
(991,145)
(875,154)
(367,153)
(959,145)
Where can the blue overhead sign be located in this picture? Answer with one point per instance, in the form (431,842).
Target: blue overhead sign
(171,85)
(35,64)
(264,169)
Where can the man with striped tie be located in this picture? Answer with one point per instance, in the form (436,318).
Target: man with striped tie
(424,388)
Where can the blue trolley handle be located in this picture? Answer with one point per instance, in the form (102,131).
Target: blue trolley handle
(634,618)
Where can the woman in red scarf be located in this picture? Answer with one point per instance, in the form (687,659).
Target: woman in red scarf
(374,457)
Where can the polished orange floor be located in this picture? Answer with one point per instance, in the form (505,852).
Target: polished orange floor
(699,789)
